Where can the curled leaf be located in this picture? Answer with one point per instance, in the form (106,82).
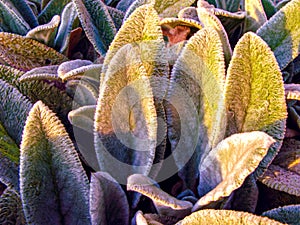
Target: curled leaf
(53,184)
(210,216)
(29,53)
(45,33)
(40,73)
(226,167)
(281,33)
(53,7)
(83,117)
(63,36)
(108,201)
(165,203)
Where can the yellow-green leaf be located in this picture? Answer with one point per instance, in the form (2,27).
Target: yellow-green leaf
(197,84)
(282,33)
(226,167)
(25,54)
(256,16)
(225,217)
(210,20)
(53,184)
(255,94)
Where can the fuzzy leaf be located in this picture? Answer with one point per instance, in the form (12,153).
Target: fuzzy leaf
(25,54)
(155,219)
(53,183)
(11,20)
(97,23)
(9,160)
(292,91)
(132,121)
(52,96)
(11,100)
(282,33)
(199,70)
(164,203)
(117,16)
(146,32)
(281,179)
(45,33)
(54,7)
(281,4)
(25,11)
(8,147)
(123,5)
(210,20)
(68,17)
(11,211)
(256,16)
(165,8)
(83,117)
(226,167)
(287,214)
(108,201)
(255,93)
(84,92)
(210,216)
(269,8)
(40,73)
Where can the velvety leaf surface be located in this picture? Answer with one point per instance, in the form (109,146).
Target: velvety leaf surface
(25,54)
(292,91)
(210,20)
(226,217)
(197,84)
(68,16)
(9,160)
(232,5)
(53,183)
(164,203)
(108,201)
(256,16)
(282,33)
(269,8)
(255,93)
(11,20)
(97,23)
(134,67)
(83,117)
(279,178)
(126,124)
(117,16)
(11,100)
(141,27)
(45,33)
(25,11)
(84,92)
(287,214)
(53,97)
(8,147)
(11,211)
(226,167)
(40,73)
(53,7)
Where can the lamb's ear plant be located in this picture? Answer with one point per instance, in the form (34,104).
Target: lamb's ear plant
(149,112)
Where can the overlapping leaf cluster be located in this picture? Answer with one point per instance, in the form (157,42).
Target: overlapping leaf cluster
(149,112)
